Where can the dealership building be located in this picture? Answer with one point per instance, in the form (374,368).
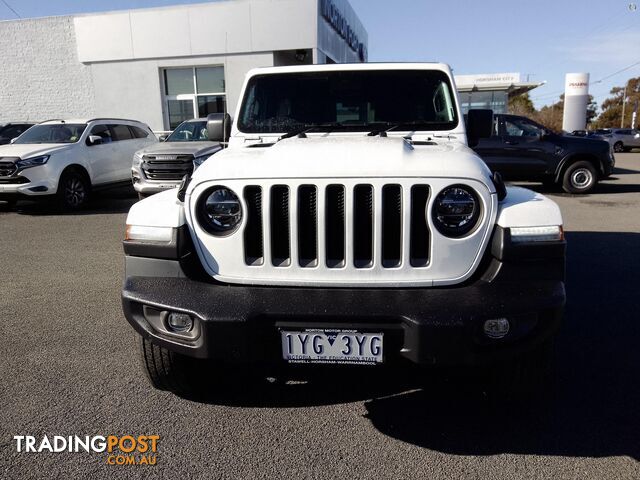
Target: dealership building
(164,65)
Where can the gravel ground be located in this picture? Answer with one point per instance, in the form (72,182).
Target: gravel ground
(68,367)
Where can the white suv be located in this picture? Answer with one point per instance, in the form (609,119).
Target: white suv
(69,158)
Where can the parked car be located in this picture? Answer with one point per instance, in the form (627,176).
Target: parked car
(67,159)
(163,165)
(625,139)
(11,130)
(347,223)
(580,133)
(521,149)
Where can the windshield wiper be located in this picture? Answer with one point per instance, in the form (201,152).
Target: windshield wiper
(382,131)
(308,127)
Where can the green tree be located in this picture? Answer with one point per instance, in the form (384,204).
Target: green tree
(521,105)
(611,115)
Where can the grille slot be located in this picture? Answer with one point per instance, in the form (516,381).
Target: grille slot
(308,226)
(253,235)
(7,169)
(280,245)
(391,226)
(334,226)
(363,226)
(419,236)
(167,167)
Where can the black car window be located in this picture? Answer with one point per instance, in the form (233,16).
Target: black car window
(12,131)
(103,132)
(120,132)
(516,127)
(138,132)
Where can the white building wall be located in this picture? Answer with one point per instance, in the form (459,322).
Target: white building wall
(40,74)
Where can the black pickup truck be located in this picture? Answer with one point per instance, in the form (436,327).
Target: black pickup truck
(521,149)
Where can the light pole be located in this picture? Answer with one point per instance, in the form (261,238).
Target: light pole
(624,103)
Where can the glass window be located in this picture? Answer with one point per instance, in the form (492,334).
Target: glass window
(138,132)
(210,79)
(52,133)
(178,81)
(516,127)
(121,132)
(189,132)
(179,111)
(210,104)
(356,100)
(102,131)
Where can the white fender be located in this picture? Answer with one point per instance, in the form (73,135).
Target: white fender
(526,208)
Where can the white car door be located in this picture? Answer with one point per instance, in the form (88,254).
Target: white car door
(99,156)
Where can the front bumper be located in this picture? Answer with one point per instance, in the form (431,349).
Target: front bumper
(143,185)
(427,326)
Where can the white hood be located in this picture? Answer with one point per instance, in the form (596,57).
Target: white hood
(29,150)
(346,156)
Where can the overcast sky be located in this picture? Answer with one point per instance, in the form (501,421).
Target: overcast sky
(543,39)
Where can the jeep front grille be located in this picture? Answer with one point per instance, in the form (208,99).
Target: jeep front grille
(304,232)
(167,167)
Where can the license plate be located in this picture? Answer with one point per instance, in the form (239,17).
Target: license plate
(331,346)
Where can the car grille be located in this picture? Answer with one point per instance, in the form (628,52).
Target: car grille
(167,167)
(298,234)
(340,232)
(7,168)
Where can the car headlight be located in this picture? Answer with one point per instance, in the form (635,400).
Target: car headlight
(32,162)
(456,211)
(199,161)
(219,211)
(137,159)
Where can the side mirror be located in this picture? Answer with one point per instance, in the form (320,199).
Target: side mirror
(218,127)
(479,125)
(163,137)
(94,140)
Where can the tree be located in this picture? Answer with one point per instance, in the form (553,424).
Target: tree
(521,105)
(611,115)
(551,115)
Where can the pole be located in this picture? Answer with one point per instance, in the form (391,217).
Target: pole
(624,102)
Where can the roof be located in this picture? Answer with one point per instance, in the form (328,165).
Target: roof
(506,82)
(352,67)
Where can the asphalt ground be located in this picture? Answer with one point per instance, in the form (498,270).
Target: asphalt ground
(68,367)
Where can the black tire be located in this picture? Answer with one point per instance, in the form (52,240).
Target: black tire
(618,147)
(73,190)
(580,177)
(167,370)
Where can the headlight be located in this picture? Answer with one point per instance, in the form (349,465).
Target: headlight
(219,211)
(32,162)
(137,159)
(199,161)
(456,211)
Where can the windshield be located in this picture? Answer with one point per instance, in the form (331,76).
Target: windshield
(52,133)
(189,132)
(349,101)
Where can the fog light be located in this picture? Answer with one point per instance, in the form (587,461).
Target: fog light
(179,322)
(496,328)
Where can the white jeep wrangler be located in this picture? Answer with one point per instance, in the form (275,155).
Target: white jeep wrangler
(348,222)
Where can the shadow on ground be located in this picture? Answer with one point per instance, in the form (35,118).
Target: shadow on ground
(593,409)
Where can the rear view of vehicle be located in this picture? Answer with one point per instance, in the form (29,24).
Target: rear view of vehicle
(165,164)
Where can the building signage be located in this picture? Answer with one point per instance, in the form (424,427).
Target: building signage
(337,20)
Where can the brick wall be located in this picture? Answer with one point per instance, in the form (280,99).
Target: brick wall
(40,75)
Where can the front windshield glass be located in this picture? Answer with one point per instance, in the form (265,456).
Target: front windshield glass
(189,132)
(349,101)
(53,133)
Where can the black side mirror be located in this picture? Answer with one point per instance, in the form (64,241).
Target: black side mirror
(218,127)
(479,125)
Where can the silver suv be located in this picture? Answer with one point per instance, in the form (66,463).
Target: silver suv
(163,165)
(621,139)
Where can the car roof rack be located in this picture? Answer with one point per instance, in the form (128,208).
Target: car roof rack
(53,120)
(112,118)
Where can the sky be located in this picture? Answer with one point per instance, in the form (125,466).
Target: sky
(541,39)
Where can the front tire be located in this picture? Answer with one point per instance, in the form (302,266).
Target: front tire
(580,177)
(618,147)
(167,370)
(73,190)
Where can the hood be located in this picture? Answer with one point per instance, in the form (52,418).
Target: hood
(181,148)
(340,156)
(32,149)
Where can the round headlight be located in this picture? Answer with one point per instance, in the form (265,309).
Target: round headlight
(219,211)
(456,211)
